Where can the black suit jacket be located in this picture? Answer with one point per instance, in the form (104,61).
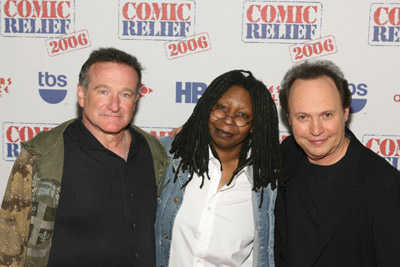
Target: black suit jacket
(361,226)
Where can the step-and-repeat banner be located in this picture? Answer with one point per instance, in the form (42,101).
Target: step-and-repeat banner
(184,45)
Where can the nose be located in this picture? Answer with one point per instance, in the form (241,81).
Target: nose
(316,127)
(114,103)
(228,120)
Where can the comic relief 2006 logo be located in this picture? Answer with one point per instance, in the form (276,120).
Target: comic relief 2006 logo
(156,20)
(36,18)
(384,24)
(15,132)
(387,146)
(281,22)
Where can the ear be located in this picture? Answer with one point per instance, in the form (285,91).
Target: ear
(288,118)
(346,113)
(81,95)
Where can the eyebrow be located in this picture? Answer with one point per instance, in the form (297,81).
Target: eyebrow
(108,87)
(101,86)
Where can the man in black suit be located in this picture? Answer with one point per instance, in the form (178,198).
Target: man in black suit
(340,203)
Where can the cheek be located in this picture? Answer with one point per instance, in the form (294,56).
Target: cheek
(127,105)
(210,126)
(298,128)
(211,123)
(243,132)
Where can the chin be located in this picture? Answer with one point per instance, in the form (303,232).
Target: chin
(113,129)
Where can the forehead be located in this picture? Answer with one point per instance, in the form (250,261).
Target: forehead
(111,72)
(236,92)
(112,68)
(315,93)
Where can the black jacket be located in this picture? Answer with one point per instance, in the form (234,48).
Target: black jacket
(361,226)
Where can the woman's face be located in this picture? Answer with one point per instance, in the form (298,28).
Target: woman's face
(225,134)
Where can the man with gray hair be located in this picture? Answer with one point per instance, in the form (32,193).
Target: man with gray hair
(85,193)
(340,202)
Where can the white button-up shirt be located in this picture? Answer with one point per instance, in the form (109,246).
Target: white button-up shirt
(214,228)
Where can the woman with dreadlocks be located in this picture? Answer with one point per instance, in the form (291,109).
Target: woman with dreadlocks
(216,207)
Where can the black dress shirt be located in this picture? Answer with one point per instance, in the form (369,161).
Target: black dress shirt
(106,211)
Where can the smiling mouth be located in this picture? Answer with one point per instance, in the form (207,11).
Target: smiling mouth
(317,142)
(224,134)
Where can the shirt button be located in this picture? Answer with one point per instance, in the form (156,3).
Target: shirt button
(133,225)
(137,255)
(131,194)
(165,235)
(176,200)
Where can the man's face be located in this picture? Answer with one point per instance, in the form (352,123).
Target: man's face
(318,119)
(110,100)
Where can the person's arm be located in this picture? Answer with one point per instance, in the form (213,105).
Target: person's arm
(15,212)
(175,131)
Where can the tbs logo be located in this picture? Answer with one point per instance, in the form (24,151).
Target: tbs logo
(387,146)
(14,133)
(190,92)
(358,90)
(52,87)
(384,24)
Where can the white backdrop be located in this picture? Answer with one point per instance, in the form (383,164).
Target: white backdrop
(184,45)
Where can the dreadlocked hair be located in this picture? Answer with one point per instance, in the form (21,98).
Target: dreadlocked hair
(192,143)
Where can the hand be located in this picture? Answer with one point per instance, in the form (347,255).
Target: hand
(175,131)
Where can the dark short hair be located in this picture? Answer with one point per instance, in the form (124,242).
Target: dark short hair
(312,69)
(109,54)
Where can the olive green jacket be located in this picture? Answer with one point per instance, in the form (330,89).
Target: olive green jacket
(30,201)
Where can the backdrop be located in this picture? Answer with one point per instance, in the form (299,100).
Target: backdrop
(184,45)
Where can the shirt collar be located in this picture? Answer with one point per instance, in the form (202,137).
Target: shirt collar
(248,170)
(87,141)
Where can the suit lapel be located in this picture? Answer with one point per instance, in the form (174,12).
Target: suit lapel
(346,190)
(291,157)
(280,216)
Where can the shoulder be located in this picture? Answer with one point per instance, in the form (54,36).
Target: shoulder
(372,163)
(143,132)
(166,141)
(375,172)
(155,146)
(151,139)
(290,149)
(45,139)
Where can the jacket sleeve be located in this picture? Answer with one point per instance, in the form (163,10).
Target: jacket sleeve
(386,222)
(15,212)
